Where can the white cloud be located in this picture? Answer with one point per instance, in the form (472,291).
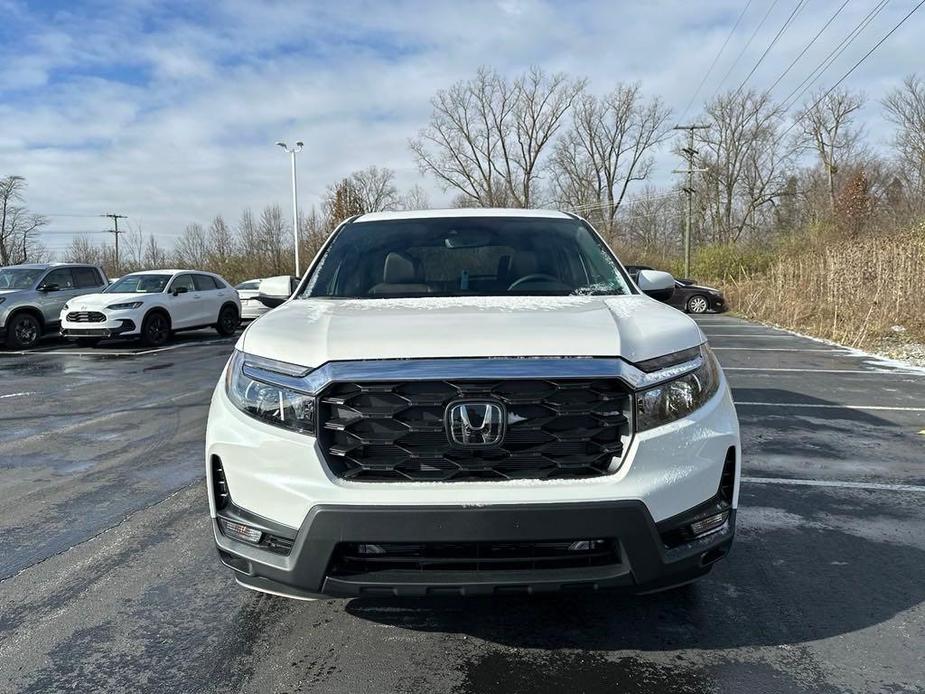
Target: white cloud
(170,116)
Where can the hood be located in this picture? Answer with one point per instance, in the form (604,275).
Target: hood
(6,292)
(311,332)
(95,301)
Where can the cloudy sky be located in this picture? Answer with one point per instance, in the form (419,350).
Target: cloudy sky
(167,111)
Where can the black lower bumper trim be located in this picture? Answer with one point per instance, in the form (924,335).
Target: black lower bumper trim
(127,326)
(644,564)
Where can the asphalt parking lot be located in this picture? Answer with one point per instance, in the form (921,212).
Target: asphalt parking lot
(109,580)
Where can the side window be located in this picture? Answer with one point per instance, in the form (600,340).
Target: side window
(204,283)
(183,281)
(62,277)
(86,277)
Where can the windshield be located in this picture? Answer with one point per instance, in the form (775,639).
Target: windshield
(490,256)
(19,278)
(139,284)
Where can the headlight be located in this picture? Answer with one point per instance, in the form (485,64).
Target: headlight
(258,387)
(679,397)
(125,306)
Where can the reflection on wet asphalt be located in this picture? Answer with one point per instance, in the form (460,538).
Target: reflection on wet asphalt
(110,580)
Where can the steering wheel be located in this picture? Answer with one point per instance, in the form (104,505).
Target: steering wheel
(536,276)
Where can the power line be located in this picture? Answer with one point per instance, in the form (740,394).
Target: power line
(808,46)
(744,48)
(832,56)
(65,214)
(82,231)
(715,60)
(767,50)
(594,207)
(857,64)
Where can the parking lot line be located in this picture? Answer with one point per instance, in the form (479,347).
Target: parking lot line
(841,352)
(101,353)
(866,372)
(741,336)
(828,406)
(873,486)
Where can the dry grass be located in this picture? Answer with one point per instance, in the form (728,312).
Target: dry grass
(852,292)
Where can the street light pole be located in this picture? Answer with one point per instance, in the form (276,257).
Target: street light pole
(295,201)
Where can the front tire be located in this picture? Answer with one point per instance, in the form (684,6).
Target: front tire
(155,330)
(697,304)
(24,332)
(228,321)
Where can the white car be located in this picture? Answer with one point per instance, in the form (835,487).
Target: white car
(151,305)
(251,306)
(471,402)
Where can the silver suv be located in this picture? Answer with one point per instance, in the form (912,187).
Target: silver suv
(31,298)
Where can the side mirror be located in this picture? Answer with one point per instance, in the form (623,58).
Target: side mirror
(658,285)
(49,288)
(275,290)
(179,290)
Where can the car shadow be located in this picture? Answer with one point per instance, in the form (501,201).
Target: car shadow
(781,587)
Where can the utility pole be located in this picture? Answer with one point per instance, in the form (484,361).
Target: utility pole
(689,153)
(115,230)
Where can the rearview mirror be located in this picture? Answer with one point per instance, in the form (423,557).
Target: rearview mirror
(179,290)
(275,290)
(49,288)
(659,285)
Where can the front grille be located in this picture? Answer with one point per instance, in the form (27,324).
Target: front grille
(355,558)
(85,317)
(394,431)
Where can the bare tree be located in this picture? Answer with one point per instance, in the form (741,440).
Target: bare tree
(18,226)
(154,256)
(375,188)
(313,230)
(747,163)
(342,201)
(652,221)
(607,148)
(827,124)
(415,198)
(83,250)
(221,245)
(273,232)
(192,248)
(905,108)
(487,135)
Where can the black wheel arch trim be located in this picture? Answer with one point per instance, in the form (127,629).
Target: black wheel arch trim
(32,311)
(158,309)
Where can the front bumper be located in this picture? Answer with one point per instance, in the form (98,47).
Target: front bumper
(642,562)
(279,474)
(111,327)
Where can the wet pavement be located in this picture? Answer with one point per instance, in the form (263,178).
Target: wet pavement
(109,580)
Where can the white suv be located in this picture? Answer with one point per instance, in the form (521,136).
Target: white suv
(151,305)
(470,402)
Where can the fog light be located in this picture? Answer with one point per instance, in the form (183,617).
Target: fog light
(239,531)
(370,549)
(709,524)
(584,545)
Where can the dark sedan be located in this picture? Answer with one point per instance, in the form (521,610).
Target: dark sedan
(687,296)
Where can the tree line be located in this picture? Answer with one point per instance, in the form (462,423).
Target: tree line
(767,169)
